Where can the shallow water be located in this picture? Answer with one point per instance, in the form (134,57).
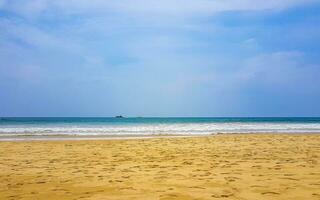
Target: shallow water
(153,126)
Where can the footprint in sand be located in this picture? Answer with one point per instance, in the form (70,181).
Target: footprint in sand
(270,192)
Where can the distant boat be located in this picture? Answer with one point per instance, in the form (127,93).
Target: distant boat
(119,116)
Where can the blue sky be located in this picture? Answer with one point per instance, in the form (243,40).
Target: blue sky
(159,58)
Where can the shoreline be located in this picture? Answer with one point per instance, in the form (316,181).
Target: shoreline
(132,137)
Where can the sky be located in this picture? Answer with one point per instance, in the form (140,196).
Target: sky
(160,58)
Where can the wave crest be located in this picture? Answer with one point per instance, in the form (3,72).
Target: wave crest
(157,129)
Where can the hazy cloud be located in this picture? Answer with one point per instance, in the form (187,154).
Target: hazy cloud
(150,57)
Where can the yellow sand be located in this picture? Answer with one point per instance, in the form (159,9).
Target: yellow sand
(225,166)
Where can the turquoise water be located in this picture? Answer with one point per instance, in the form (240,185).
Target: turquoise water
(153,126)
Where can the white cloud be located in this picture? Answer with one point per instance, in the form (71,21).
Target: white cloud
(280,70)
(159,53)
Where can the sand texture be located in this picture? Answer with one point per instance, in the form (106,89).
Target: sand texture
(252,166)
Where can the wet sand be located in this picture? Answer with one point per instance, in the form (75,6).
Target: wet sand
(245,166)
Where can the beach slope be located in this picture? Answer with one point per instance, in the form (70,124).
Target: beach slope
(235,166)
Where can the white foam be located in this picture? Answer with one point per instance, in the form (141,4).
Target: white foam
(158,129)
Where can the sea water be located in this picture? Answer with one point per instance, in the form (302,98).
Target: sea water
(153,126)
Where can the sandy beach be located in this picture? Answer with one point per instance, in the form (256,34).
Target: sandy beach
(235,166)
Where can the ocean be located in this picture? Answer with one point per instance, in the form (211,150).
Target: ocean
(140,126)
